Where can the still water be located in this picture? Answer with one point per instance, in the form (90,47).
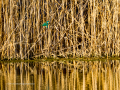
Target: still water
(60,75)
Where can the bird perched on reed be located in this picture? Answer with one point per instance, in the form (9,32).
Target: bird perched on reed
(45,24)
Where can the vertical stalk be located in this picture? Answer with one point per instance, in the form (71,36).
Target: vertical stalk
(11,23)
(94,26)
(25,25)
(28,29)
(43,28)
(89,30)
(82,28)
(20,31)
(73,29)
(67,23)
(34,25)
(49,30)
(117,30)
(7,29)
(0,28)
(38,26)
(0,24)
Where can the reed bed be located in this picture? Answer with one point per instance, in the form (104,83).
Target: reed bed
(78,28)
(69,75)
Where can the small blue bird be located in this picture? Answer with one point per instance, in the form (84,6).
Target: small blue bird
(45,24)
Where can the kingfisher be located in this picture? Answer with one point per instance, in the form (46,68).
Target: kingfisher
(45,24)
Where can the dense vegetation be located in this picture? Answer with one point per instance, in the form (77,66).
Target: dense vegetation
(77,28)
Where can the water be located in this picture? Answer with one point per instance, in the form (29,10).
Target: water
(60,75)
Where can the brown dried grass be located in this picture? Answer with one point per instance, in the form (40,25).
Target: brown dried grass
(77,28)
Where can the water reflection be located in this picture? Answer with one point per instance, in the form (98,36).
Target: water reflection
(62,75)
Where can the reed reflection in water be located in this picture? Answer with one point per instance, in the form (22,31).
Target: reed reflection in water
(62,75)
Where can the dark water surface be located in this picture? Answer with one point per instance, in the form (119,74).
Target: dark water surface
(60,75)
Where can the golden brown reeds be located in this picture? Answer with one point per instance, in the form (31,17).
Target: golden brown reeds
(77,28)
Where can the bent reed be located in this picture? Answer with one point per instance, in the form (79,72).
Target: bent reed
(78,28)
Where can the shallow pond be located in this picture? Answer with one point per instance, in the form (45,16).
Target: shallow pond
(60,75)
